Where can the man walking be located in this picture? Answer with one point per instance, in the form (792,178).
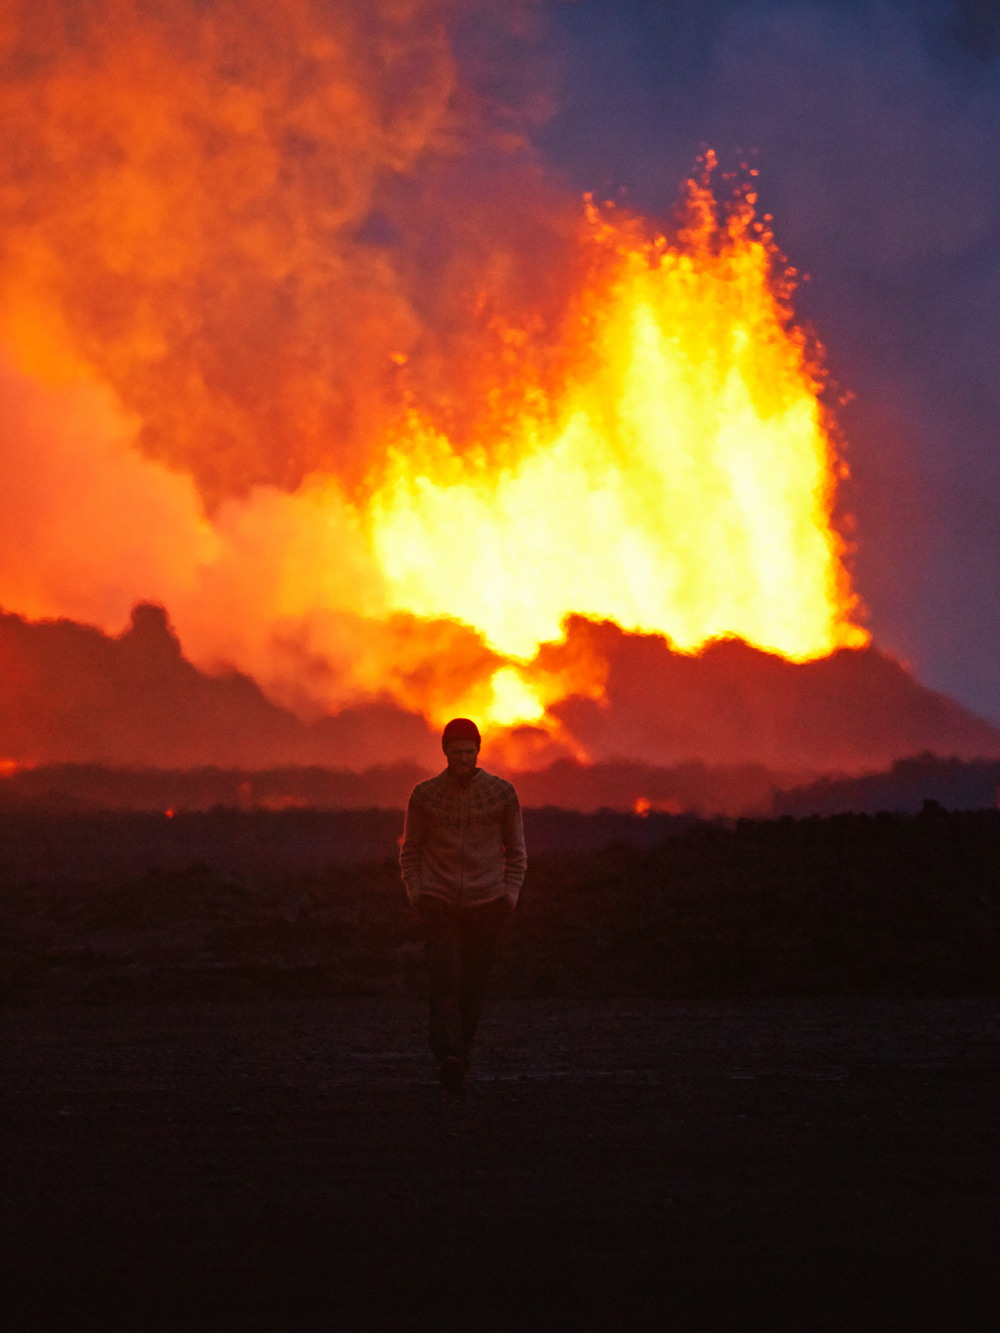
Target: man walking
(463,862)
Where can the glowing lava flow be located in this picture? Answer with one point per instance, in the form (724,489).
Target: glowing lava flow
(682,483)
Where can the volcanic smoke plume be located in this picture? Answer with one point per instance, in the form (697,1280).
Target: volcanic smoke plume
(300,342)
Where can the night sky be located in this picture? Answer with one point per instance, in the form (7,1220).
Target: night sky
(875,128)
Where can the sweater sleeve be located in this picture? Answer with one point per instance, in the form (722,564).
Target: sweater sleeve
(412,850)
(514,853)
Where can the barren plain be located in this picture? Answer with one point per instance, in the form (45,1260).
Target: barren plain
(619,1163)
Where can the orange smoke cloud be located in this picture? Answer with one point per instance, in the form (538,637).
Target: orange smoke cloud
(215,211)
(86,521)
(303,345)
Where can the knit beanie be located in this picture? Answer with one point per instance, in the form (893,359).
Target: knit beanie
(460,729)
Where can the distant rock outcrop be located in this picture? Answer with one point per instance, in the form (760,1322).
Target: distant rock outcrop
(71,694)
(735,705)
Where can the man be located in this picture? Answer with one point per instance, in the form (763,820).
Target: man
(463,863)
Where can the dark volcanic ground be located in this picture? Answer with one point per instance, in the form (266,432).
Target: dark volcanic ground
(618,1164)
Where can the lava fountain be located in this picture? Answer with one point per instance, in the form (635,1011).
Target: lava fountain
(682,483)
(301,343)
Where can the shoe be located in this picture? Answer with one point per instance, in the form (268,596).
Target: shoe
(452,1075)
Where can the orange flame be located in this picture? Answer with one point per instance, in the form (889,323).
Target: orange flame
(409,487)
(681,484)
(680,481)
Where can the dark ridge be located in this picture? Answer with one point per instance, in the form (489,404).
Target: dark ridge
(74,695)
(906,787)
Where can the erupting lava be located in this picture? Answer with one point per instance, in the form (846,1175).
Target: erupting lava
(302,344)
(677,478)
(681,484)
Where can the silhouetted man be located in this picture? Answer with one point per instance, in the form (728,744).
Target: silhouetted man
(463,863)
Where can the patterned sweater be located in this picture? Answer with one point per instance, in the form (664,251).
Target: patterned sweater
(463,842)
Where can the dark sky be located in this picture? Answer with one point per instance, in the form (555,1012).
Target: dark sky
(876,128)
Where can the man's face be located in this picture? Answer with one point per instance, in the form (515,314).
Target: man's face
(462,756)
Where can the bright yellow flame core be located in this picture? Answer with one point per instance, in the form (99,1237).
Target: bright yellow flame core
(682,483)
(513,700)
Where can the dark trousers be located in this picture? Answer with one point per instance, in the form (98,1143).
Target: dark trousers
(461,944)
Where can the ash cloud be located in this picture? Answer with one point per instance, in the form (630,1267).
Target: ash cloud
(246,218)
(873,127)
(238,239)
